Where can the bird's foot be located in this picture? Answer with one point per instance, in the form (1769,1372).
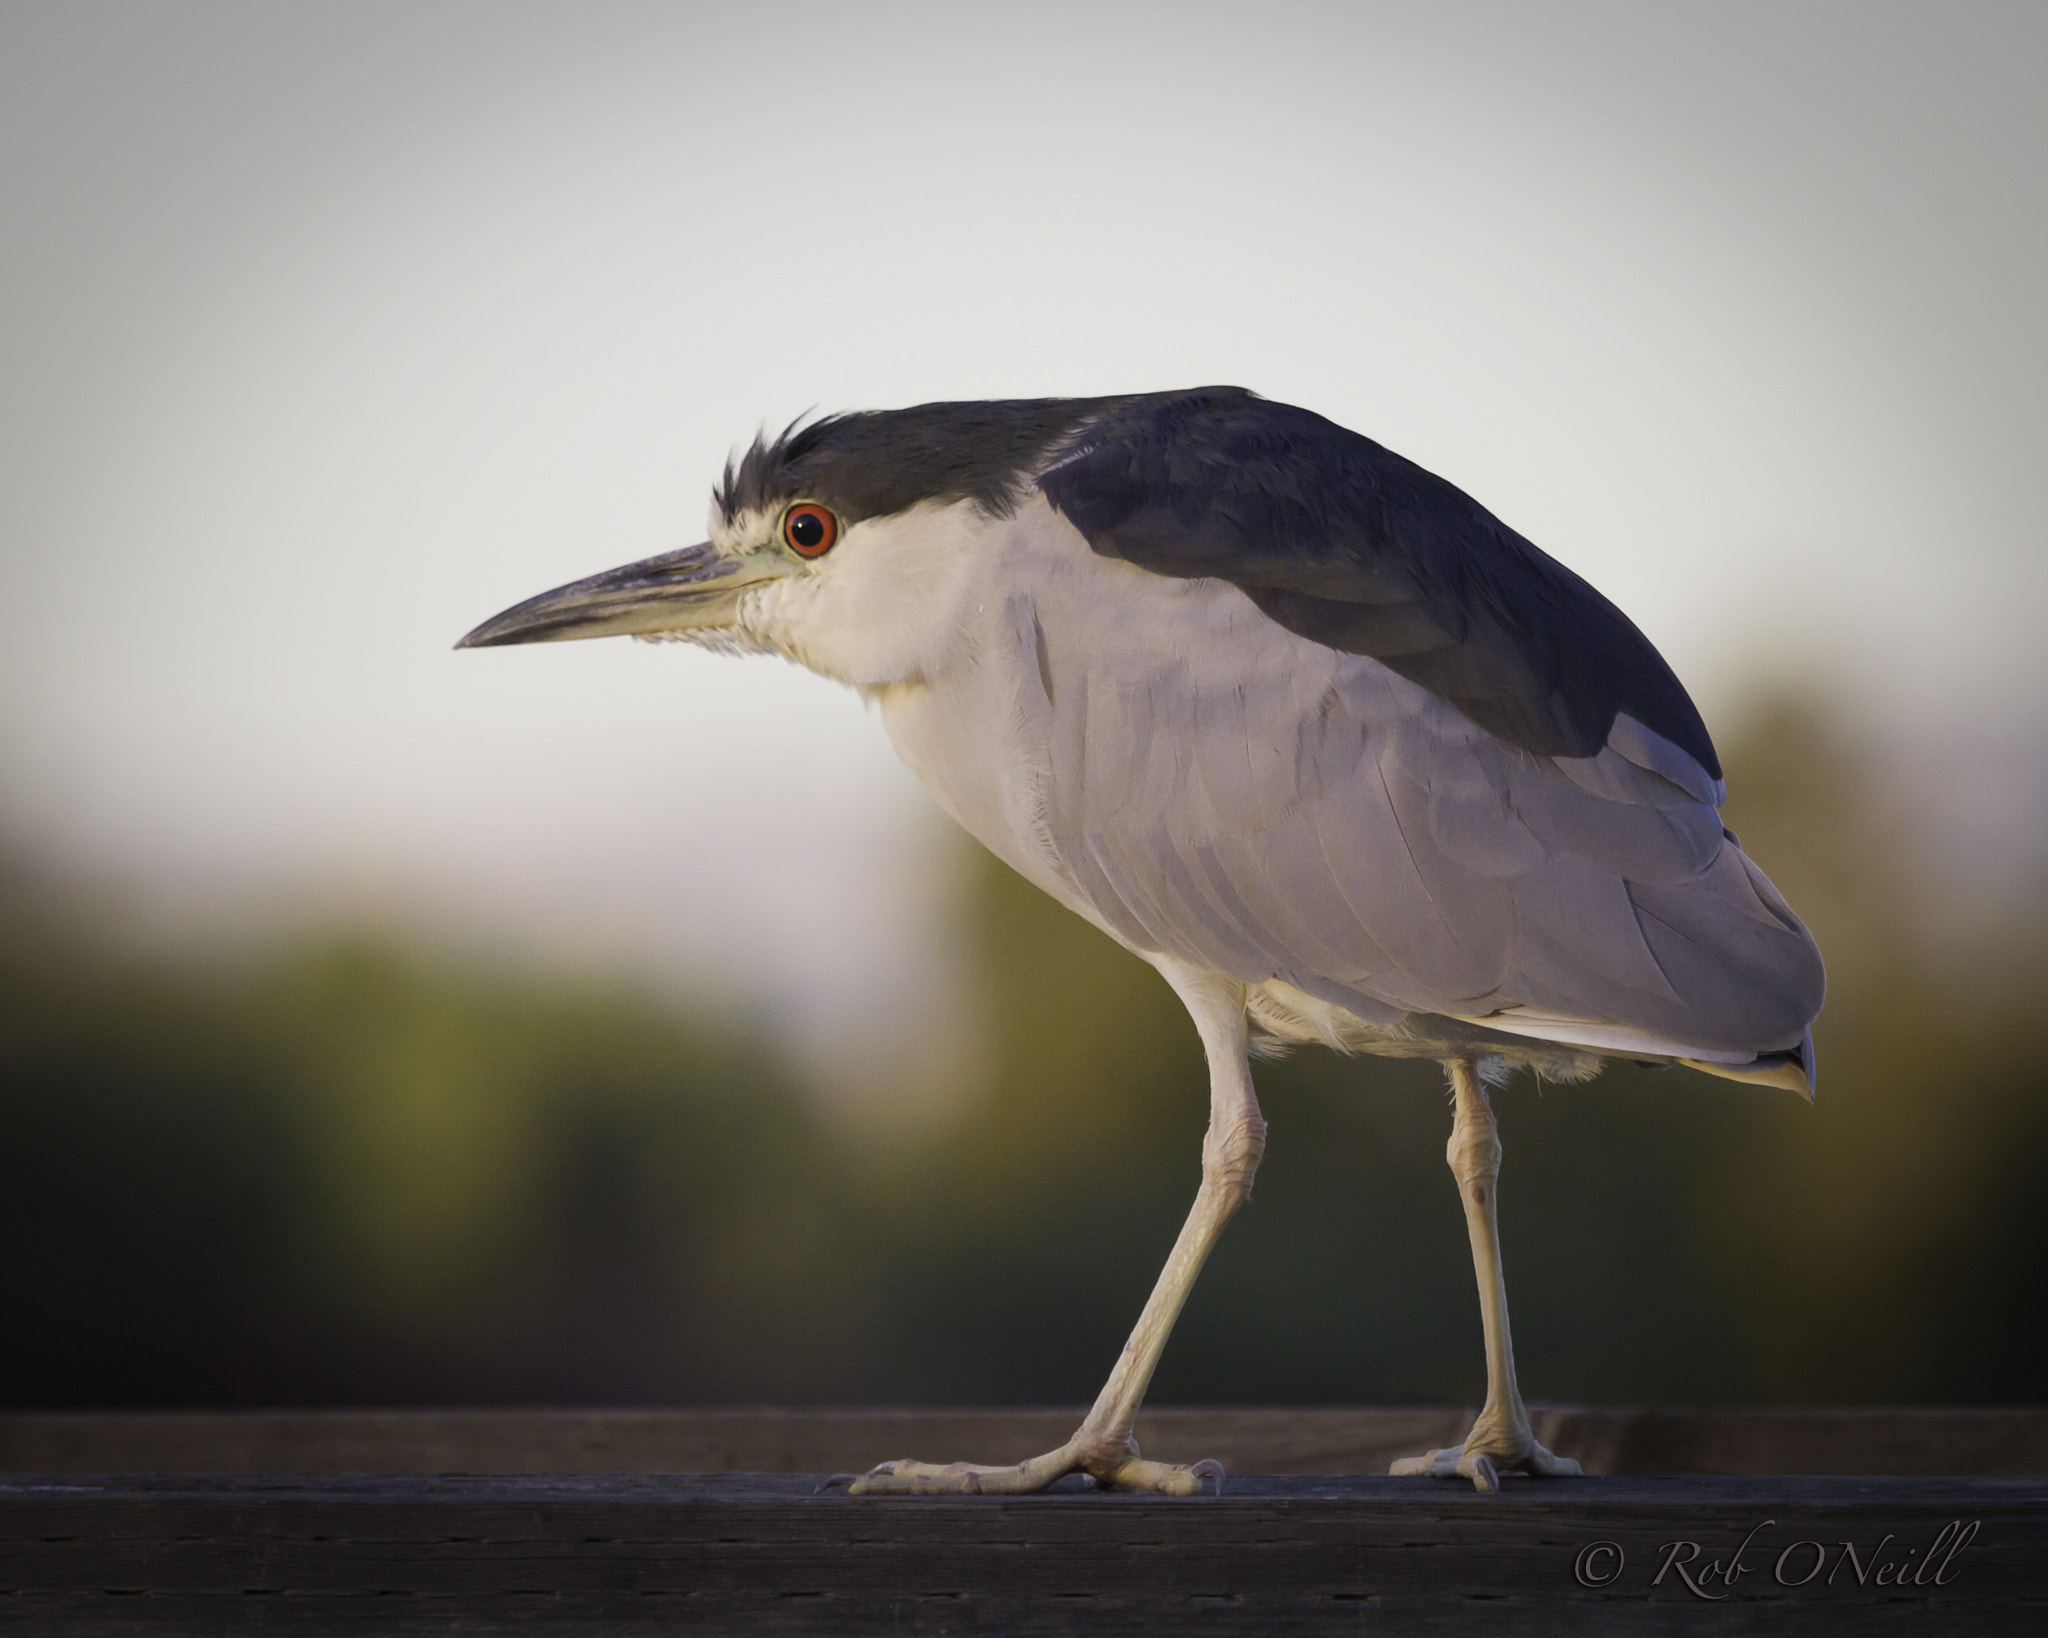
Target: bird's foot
(1490,1449)
(1111,1464)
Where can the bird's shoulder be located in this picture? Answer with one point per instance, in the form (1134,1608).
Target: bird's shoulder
(1346,543)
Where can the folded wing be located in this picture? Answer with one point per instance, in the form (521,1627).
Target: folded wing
(1534,843)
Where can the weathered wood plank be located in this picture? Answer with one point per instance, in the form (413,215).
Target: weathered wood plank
(1278,1441)
(622,1554)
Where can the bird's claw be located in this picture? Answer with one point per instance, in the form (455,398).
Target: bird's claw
(1483,1464)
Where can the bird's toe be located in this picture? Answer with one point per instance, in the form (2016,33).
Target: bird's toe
(1549,1465)
(908,1478)
(1438,1464)
(1484,1459)
(1132,1472)
(1167,1478)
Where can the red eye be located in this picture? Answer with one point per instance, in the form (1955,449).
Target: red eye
(810,530)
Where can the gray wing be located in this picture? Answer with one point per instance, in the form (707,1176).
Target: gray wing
(1348,834)
(1261,805)
(1416,766)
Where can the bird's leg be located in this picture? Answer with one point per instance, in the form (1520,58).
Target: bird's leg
(1501,1439)
(1103,1446)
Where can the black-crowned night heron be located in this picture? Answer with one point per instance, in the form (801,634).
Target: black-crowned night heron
(1340,754)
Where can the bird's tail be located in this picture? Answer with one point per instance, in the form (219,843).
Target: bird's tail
(1791,1070)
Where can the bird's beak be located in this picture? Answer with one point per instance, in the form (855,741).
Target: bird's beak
(678,591)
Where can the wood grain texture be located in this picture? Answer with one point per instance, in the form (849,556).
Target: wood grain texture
(766,1553)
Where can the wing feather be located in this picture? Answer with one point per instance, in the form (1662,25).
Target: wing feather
(1246,950)
(1582,950)
(1262,805)
(1640,841)
(1300,899)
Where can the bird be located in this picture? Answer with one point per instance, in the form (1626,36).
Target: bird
(1344,757)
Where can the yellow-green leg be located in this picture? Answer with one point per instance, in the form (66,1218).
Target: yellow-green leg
(1103,1445)
(1501,1439)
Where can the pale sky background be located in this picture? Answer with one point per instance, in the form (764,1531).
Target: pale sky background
(327,330)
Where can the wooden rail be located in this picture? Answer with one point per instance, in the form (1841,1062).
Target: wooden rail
(616,1551)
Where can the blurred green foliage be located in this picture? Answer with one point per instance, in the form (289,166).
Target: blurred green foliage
(344,1173)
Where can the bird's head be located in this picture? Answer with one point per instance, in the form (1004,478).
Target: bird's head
(842,545)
